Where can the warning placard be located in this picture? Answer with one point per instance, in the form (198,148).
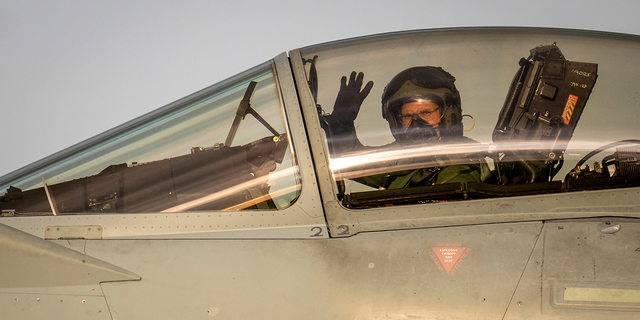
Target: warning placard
(568,109)
(448,258)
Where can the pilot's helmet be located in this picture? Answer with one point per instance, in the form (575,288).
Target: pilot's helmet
(422,84)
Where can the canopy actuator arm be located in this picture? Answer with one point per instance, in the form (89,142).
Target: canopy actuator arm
(243,109)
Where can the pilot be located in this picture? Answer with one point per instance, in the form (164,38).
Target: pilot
(422,107)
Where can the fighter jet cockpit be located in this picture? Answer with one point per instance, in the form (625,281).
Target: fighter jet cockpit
(414,119)
(409,118)
(225,148)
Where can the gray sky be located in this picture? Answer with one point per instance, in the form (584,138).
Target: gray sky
(72,69)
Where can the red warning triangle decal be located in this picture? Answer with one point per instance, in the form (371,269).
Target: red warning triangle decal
(448,256)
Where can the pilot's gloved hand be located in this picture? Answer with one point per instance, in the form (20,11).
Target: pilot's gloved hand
(349,99)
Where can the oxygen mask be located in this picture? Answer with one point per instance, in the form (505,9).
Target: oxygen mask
(418,131)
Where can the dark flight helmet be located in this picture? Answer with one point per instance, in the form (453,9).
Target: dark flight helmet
(422,83)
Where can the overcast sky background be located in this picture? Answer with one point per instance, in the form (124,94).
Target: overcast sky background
(72,69)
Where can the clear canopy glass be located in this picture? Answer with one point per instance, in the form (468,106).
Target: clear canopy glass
(521,111)
(225,148)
